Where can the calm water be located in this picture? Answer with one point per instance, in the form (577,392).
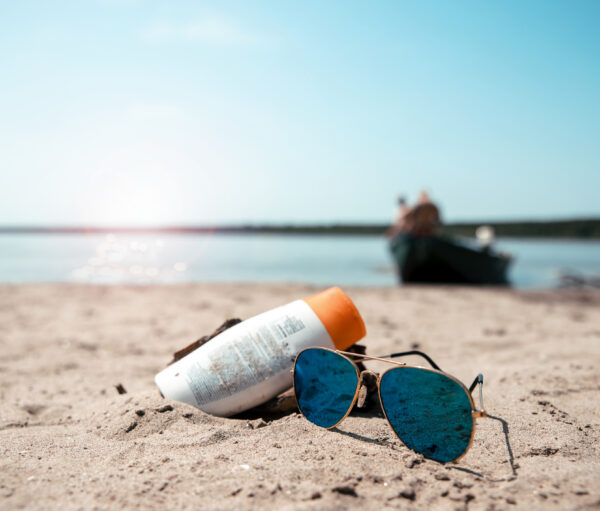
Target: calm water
(347,260)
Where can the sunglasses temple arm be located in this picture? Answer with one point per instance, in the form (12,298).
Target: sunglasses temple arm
(478,381)
(414,352)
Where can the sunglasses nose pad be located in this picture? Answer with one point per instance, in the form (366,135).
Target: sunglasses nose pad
(362,395)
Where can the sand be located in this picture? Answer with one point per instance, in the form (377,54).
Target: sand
(68,440)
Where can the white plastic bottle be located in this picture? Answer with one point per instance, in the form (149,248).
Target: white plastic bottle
(250,363)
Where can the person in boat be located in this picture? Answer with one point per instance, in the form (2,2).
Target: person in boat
(423,219)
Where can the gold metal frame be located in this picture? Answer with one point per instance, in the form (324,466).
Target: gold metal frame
(475,413)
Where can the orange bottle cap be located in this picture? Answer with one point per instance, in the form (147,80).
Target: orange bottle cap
(339,316)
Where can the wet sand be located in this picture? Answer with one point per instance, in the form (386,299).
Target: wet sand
(68,440)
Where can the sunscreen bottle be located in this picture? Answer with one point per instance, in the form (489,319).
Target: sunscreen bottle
(250,363)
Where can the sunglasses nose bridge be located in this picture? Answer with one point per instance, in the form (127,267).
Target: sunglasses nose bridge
(366,371)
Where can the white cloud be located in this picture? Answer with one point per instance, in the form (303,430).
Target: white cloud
(208,30)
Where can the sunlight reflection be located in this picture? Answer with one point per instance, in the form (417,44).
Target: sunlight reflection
(129,261)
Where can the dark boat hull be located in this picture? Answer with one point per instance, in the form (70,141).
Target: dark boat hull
(434,259)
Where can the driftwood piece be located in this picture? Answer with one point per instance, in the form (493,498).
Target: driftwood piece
(283,404)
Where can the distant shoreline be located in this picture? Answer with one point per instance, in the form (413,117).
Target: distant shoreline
(568,229)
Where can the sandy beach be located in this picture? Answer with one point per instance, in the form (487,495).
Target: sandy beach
(68,440)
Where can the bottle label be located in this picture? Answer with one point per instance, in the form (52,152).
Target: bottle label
(249,354)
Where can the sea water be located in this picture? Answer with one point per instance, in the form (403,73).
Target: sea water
(315,259)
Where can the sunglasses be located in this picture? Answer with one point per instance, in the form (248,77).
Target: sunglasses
(430,411)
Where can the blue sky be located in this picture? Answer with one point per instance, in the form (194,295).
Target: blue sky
(157,112)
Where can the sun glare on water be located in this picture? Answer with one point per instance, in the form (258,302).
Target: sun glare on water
(125,259)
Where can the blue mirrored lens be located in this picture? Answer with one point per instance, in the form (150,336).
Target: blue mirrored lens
(325,384)
(430,412)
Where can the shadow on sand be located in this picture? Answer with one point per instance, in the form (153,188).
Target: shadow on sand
(370,411)
(509,452)
(373,413)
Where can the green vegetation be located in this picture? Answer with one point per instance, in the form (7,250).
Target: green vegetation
(577,229)
(580,228)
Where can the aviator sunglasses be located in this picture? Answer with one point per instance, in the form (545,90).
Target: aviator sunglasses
(430,411)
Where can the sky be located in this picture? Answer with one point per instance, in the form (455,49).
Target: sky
(152,112)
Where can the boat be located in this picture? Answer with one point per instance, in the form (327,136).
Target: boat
(441,260)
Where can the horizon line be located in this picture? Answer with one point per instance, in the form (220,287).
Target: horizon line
(291,227)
